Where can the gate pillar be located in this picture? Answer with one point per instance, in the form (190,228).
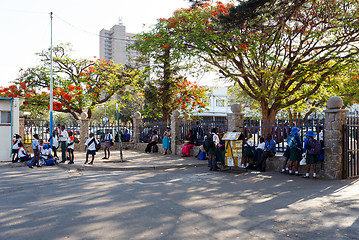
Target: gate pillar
(335,118)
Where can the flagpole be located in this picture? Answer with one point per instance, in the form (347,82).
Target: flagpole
(119,131)
(51,87)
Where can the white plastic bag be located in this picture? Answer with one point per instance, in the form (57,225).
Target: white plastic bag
(303,161)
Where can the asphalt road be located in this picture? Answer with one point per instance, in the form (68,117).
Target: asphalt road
(188,203)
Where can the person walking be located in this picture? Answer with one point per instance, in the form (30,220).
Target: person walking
(212,143)
(108,143)
(90,145)
(70,147)
(63,136)
(311,152)
(36,149)
(166,141)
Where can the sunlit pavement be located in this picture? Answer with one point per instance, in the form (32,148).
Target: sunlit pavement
(174,203)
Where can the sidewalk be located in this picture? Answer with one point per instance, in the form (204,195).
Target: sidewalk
(133,160)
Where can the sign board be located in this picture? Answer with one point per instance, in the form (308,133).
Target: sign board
(231,136)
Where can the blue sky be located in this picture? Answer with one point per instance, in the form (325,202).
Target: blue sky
(25,26)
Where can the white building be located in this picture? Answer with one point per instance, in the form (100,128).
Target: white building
(9,125)
(114,45)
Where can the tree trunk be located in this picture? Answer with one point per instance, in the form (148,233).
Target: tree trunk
(268,115)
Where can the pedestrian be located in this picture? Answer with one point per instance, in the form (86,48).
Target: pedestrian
(108,143)
(15,148)
(311,155)
(55,143)
(295,152)
(153,142)
(166,141)
(248,150)
(23,156)
(212,142)
(70,147)
(63,136)
(90,145)
(269,151)
(286,154)
(188,144)
(36,149)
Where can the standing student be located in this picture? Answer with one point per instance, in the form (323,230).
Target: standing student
(36,149)
(166,141)
(295,154)
(55,142)
(15,147)
(213,141)
(108,143)
(70,147)
(311,157)
(90,145)
(63,136)
(248,150)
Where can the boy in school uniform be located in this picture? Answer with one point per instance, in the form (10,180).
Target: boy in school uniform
(70,147)
(36,148)
(90,145)
(15,147)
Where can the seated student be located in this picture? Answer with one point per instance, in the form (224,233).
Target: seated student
(46,155)
(269,151)
(23,156)
(189,143)
(153,142)
(259,151)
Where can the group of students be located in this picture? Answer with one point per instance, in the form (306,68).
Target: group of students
(44,155)
(294,153)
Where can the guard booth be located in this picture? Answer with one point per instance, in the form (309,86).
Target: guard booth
(233,144)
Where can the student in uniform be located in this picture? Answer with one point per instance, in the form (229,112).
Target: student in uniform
(15,147)
(55,142)
(70,147)
(23,156)
(90,145)
(108,143)
(36,149)
(63,136)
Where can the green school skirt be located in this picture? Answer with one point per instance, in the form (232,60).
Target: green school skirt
(295,154)
(311,158)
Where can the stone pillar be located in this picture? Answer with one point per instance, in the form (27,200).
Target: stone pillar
(22,127)
(84,129)
(235,119)
(175,131)
(137,125)
(335,117)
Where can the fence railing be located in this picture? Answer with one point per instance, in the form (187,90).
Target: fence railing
(202,128)
(149,126)
(100,129)
(36,126)
(280,129)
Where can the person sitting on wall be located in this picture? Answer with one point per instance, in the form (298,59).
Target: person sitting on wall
(23,155)
(188,144)
(269,151)
(153,142)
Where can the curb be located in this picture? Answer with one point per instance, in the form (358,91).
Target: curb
(101,168)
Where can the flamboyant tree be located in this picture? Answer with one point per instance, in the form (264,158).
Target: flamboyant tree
(166,89)
(79,85)
(281,54)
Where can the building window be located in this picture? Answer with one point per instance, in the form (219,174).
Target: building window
(220,102)
(5,117)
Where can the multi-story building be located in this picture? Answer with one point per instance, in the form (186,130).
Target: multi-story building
(114,45)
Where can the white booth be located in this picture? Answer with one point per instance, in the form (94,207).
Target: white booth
(9,125)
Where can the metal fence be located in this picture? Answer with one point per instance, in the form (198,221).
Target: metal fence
(280,129)
(351,147)
(202,128)
(99,130)
(36,126)
(149,126)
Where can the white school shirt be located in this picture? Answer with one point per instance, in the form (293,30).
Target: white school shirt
(108,137)
(92,146)
(261,145)
(22,152)
(64,137)
(72,145)
(15,146)
(55,141)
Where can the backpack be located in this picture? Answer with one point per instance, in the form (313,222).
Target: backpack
(208,142)
(155,148)
(314,146)
(291,141)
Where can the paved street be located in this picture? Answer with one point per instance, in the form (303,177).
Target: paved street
(173,203)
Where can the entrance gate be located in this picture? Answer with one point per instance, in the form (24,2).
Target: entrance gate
(351,148)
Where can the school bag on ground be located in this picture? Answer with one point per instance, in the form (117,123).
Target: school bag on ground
(314,146)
